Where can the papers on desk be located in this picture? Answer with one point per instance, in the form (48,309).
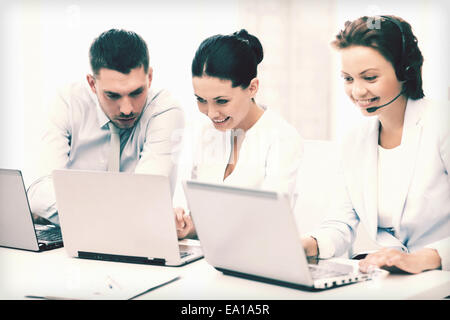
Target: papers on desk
(106,287)
(60,277)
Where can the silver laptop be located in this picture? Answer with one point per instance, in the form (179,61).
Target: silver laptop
(253,234)
(119,216)
(17,229)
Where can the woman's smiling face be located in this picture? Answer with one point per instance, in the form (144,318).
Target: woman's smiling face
(227,107)
(369,79)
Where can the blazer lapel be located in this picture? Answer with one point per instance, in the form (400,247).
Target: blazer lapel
(370,177)
(411,137)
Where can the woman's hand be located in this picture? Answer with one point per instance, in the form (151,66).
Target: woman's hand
(391,259)
(310,246)
(184,224)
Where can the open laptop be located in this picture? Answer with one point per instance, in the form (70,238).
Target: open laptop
(17,229)
(253,234)
(119,216)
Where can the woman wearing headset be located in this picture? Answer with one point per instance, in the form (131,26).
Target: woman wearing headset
(394,168)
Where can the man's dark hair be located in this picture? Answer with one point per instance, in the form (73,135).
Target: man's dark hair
(118,50)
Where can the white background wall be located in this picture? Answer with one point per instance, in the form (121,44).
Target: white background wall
(45,45)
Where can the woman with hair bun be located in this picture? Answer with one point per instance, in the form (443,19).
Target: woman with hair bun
(395,166)
(243,143)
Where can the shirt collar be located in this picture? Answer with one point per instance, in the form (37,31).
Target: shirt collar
(261,123)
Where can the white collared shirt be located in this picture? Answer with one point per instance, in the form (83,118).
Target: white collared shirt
(77,137)
(269,156)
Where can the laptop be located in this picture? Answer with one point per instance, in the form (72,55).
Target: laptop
(17,229)
(119,216)
(253,234)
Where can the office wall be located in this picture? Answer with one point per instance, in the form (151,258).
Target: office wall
(45,45)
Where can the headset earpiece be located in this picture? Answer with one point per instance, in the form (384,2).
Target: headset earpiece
(406,73)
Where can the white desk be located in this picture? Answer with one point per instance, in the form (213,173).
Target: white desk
(24,273)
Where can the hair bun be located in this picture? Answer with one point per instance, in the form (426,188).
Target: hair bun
(252,41)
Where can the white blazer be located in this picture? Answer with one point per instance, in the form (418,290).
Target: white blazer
(422,215)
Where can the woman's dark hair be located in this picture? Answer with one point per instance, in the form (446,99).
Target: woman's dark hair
(392,37)
(118,50)
(232,57)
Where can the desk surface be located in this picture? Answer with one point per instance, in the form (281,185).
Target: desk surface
(25,273)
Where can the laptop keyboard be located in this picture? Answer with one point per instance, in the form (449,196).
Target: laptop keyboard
(49,234)
(184,254)
(186,250)
(328,269)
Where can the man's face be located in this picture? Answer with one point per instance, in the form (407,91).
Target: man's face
(121,96)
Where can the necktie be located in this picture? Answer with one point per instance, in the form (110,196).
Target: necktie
(114,148)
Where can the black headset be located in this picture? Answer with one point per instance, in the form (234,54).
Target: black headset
(406,71)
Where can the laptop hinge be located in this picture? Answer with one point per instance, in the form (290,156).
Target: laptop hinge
(120,258)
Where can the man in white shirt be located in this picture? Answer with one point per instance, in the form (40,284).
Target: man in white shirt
(115,101)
